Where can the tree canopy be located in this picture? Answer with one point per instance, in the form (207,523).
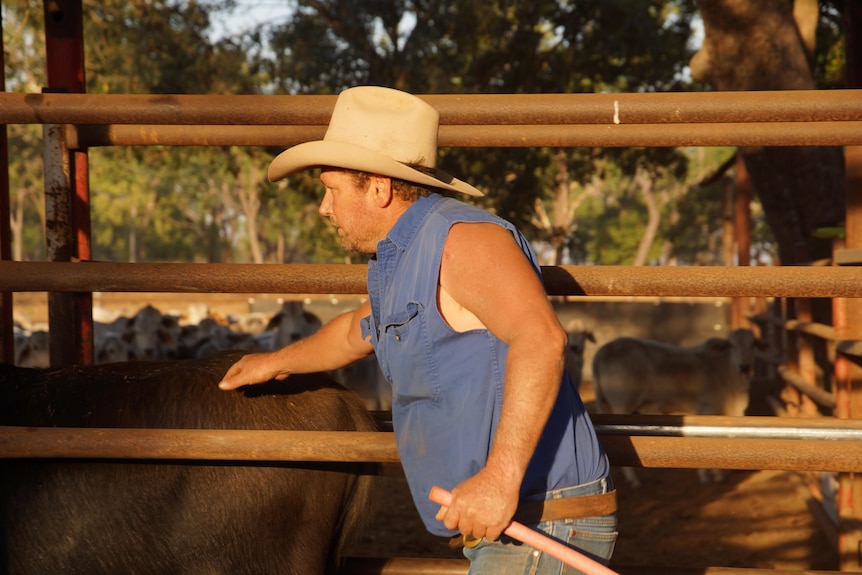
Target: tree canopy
(596,206)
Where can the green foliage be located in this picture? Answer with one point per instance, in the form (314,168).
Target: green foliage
(215,204)
(830,59)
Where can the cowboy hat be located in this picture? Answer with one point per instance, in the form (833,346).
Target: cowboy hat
(379,131)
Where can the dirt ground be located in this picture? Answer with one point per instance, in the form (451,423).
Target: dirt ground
(752,519)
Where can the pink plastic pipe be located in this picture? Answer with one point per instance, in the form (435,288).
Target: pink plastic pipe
(537,540)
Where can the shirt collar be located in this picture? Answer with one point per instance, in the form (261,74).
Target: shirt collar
(410,221)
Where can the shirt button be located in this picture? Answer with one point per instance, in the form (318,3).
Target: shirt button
(397,337)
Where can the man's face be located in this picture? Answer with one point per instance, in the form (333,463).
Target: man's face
(350,209)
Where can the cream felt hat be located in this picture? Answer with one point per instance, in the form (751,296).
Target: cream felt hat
(379,131)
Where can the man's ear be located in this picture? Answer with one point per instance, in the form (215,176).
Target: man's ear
(381,188)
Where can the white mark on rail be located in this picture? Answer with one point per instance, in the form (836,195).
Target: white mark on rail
(616,112)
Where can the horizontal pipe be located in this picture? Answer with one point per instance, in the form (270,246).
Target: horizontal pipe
(746,454)
(404,566)
(434,566)
(694,281)
(196,444)
(501,136)
(820,330)
(317,446)
(455,109)
(850,348)
(749,427)
(820,396)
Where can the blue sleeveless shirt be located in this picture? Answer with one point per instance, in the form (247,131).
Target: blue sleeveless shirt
(447,387)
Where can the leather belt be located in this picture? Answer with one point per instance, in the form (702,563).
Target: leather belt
(577,507)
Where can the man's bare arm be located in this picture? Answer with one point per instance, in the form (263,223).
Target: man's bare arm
(485,271)
(336,344)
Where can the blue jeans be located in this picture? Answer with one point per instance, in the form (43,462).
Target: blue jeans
(593,536)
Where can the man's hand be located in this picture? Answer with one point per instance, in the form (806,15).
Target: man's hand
(481,506)
(253,368)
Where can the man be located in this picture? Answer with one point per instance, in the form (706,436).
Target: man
(464,332)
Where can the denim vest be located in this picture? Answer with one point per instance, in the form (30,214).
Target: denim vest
(447,387)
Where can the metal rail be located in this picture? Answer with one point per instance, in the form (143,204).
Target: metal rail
(431,566)
(699,281)
(750,427)
(455,109)
(468,136)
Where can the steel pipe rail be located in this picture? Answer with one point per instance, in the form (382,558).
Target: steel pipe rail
(197,444)
(700,281)
(749,427)
(503,136)
(745,454)
(819,396)
(432,566)
(457,109)
(322,446)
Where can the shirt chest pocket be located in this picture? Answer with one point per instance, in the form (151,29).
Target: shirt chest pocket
(405,351)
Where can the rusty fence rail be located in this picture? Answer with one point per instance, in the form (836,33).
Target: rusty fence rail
(455,109)
(695,281)
(416,566)
(748,443)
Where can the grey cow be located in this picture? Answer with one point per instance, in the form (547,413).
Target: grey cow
(633,375)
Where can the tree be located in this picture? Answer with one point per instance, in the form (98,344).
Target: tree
(759,45)
(22,26)
(540,46)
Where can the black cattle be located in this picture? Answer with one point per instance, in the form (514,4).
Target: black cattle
(79,516)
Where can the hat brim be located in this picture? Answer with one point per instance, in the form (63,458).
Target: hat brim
(352,157)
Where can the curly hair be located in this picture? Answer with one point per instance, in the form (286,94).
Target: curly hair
(407,191)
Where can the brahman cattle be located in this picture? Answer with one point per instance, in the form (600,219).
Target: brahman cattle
(292,323)
(634,375)
(32,349)
(177,517)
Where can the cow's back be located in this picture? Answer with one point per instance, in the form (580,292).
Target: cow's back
(640,375)
(177,517)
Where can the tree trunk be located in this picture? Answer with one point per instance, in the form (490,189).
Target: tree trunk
(756,45)
(249,199)
(644,183)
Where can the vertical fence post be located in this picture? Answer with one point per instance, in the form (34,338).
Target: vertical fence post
(73,313)
(59,241)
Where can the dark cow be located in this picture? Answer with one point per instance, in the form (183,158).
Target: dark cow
(78,516)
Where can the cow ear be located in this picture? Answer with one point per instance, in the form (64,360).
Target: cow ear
(589,335)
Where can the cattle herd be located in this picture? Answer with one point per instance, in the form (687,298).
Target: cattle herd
(80,516)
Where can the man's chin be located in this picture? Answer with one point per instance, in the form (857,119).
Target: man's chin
(353,248)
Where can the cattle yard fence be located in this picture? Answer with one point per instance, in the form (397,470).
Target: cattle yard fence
(800,441)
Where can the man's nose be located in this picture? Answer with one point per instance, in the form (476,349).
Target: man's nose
(325,208)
